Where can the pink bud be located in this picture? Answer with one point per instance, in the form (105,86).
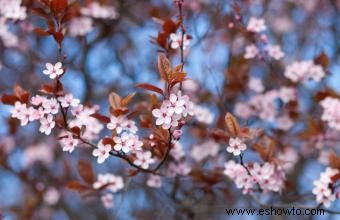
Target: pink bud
(230,25)
(177,134)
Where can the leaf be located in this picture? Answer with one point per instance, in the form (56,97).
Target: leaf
(40,12)
(76,186)
(334,160)
(41,32)
(114,100)
(58,6)
(125,101)
(265,152)
(162,39)
(22,94)
(164,66)
(150,88)
(86,172)
(76,131)
(322,60)
(232,125)
(169,26)
(9,99)
(101,118)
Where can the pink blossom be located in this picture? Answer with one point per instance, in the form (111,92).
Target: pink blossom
(154,181)
(236,146)
(144,159)
(50,106)
(47,124)
(322,190)
(251,51)
(112,182)
(41,152)
(37,100)
(331,113)
(107,200)
(80,26)
(177,151)
(124,142)
(203,114)
(102,152)
(204,150)
(303,71)
(68,100)
(21,112)
(68,142)
(176,41)
(119,123)
(255,84)
(53,70)
(97,10)
(275,51)
(35,114)
(51,196)
(256,25)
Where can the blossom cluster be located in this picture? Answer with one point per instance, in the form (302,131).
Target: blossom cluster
(97,10)
(112,184)
(12,9)
(173,110)
(203,114)
(266,108)
(267,176)
(176,41)
(331,113)
(204,150)
(322,187)
(301,71)
(257,25)
(126,141)
(236,146)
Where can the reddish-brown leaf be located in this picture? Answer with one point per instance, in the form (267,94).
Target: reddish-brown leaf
(150,88)
(58,6)
(40,12)
(169,26)
(41,32)
(76,186)
(126,100)
(322,60)
(164,66)
(334,160)
(232,125)
(101,118)
(86,172)
(9,99)
(114,100)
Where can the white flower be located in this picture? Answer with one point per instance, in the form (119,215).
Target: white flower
(255,84)
(53,70)
(80,26)
(21,112)
(118,123)
(68,143)
(176,41)
(50,106)
(107,200)
(144,159)
(251,51)
(236,146)
(47,124)
(68,100)
(163,116)
(124,142)
(203,114)
(113,183)
(154,181)
(256,25)
(102,152)
(275,51)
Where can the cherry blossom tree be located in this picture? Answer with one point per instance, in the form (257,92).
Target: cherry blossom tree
(168,109)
